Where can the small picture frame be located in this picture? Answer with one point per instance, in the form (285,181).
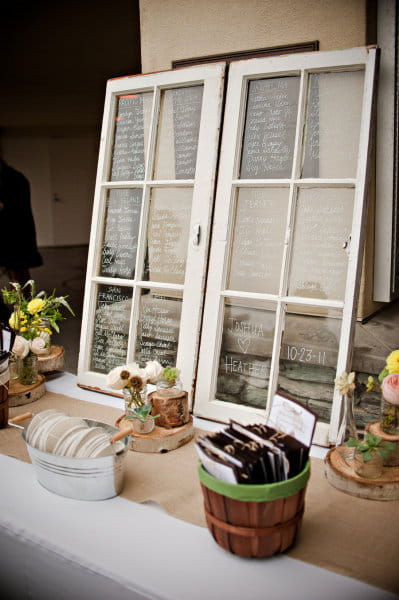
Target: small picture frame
(291,417)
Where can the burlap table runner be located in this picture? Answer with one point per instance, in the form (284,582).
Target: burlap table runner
(351,536)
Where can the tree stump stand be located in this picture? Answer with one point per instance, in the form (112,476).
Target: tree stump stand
(375,429)
(19,394)
(54,361)
(159,439)
(172,410)
(341,475)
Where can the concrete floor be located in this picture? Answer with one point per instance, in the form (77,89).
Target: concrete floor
(64,269)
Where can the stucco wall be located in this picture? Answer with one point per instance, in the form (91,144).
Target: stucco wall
(177,29)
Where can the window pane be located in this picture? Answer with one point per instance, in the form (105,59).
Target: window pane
(258,239)
(270,124)
(178,130)
(129,151)
(245,355)
(333,124)
(322,225)
(111,327)
(308,360)
(158,326)
(168,234)
(122,221)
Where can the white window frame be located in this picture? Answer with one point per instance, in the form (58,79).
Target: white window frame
(212,79)
(206,404)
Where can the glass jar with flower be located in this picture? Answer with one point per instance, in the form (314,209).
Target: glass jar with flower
(169,384)
(33,318)
(132,381)
(345,384)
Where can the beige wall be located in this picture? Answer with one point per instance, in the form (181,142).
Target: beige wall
(177,29)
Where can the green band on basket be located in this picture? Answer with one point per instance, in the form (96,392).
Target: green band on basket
(255,493)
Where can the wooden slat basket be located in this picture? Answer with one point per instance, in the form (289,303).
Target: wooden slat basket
(254,521)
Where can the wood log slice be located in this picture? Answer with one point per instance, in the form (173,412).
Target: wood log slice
(341,475)
(173,410)
(19,394)
(375,429)
(159,439)
(54,361)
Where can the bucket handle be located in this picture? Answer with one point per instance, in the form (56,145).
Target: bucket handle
(121,434)
(20,418)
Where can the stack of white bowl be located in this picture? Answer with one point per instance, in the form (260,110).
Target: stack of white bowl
(54,431)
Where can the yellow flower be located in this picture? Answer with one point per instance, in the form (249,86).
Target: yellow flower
(23,329)
(370,383)
(345,382)
(14,319)
(393,362)
(35,305)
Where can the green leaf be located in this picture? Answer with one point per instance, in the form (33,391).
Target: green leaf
(368,455)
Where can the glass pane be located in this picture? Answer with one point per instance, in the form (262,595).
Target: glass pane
(178,131)
(258,239)
(168,234)
(322,226)
(333,124)
(133,116)
(245,355)
(111,327)
(158,326)
(122,221)
(270,124)
(308,359)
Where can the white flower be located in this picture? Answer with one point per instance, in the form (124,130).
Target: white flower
(153,370)
(21,346)
(118,377)
(38,346)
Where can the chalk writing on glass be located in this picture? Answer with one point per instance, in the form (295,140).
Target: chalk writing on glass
(245,355)
(269,130)
(258,239)
(111,327)
(177,145)
(158,328)
(168,232)
(319,262)
(121,229)
(130,136)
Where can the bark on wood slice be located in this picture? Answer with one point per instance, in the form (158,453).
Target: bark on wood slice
(19,394)
(341,475)
(54,361)
(375,429)
(173,410)
(159,439)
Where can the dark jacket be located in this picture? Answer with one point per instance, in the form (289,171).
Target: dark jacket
(18,247)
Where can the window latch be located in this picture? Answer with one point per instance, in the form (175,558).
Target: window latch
(196,234)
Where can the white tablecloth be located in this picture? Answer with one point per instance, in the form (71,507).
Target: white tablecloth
(60,549)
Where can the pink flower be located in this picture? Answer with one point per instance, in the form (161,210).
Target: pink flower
(390,388)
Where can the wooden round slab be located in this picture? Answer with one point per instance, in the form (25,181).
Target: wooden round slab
(160,439)
(341,475)
(19,394)
(375,429)
(54,361)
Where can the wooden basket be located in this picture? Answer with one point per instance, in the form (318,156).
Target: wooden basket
(254,528)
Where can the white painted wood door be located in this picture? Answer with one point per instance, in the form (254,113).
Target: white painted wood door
(287,238)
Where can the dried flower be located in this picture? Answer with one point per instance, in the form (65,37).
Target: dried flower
(345,382)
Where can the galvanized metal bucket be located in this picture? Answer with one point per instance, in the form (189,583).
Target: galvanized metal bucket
(82,478)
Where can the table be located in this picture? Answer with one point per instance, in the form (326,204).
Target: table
(56,548)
